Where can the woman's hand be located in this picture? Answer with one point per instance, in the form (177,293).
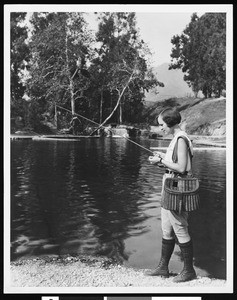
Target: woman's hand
(154,159)
(159,154)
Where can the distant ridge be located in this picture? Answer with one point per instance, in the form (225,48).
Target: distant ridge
(175,86)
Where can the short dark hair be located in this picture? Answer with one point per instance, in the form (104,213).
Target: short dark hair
(170,116)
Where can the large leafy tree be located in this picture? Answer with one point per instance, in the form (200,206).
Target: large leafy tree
(60,47)
(19,58)
(200,51)
(104,83)
(120,68)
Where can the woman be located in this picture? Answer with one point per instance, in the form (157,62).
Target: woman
(172,222)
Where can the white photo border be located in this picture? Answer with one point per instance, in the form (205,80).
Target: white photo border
(228,9)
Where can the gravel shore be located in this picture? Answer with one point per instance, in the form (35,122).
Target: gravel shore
(90,272)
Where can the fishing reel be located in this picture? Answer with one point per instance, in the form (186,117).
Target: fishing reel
(158,163)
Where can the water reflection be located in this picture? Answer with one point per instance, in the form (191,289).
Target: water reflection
(100,196)
(209,224)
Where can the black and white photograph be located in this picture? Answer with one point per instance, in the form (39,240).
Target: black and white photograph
(118,149)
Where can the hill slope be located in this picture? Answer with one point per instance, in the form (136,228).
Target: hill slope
(199,116)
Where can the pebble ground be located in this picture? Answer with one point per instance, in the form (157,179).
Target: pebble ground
(90,272)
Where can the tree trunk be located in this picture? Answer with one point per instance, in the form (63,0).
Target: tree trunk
(71,86)
(101,104)
(55,116)
(120,113)
(72,97)
(116,106)
(204,91)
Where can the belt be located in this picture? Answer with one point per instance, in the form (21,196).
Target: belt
(175,173)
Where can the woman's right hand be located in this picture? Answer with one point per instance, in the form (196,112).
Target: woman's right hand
(154,159)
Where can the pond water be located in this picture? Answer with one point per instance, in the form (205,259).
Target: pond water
(100,196)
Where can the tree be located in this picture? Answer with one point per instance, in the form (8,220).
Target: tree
(200,52)
(19,58)
(60,48)
(121,64)
(97,83)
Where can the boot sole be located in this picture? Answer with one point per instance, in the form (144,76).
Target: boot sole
(185,279)
(161,275)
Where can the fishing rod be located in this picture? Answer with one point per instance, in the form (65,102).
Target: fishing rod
(126,138)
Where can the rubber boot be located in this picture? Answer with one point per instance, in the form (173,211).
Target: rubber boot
(166,252)
(188,272)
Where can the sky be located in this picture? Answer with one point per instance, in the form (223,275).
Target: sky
(156,29)
(158,23)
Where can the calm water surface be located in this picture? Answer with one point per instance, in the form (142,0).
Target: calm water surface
(102,197)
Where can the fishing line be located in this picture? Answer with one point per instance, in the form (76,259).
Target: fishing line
(107,128)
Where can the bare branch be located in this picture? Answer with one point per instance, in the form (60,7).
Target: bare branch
(77,69)
(117,104)
(78,91)
(78,97)
(47,74)
(123,70)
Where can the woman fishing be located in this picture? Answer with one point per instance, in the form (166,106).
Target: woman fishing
(174,223)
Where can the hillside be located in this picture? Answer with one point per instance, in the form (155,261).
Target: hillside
(175,86)
(205,117)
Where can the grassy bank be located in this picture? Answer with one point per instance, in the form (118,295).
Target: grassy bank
(205,117)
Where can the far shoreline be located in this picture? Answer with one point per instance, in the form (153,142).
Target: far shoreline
(214,141)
